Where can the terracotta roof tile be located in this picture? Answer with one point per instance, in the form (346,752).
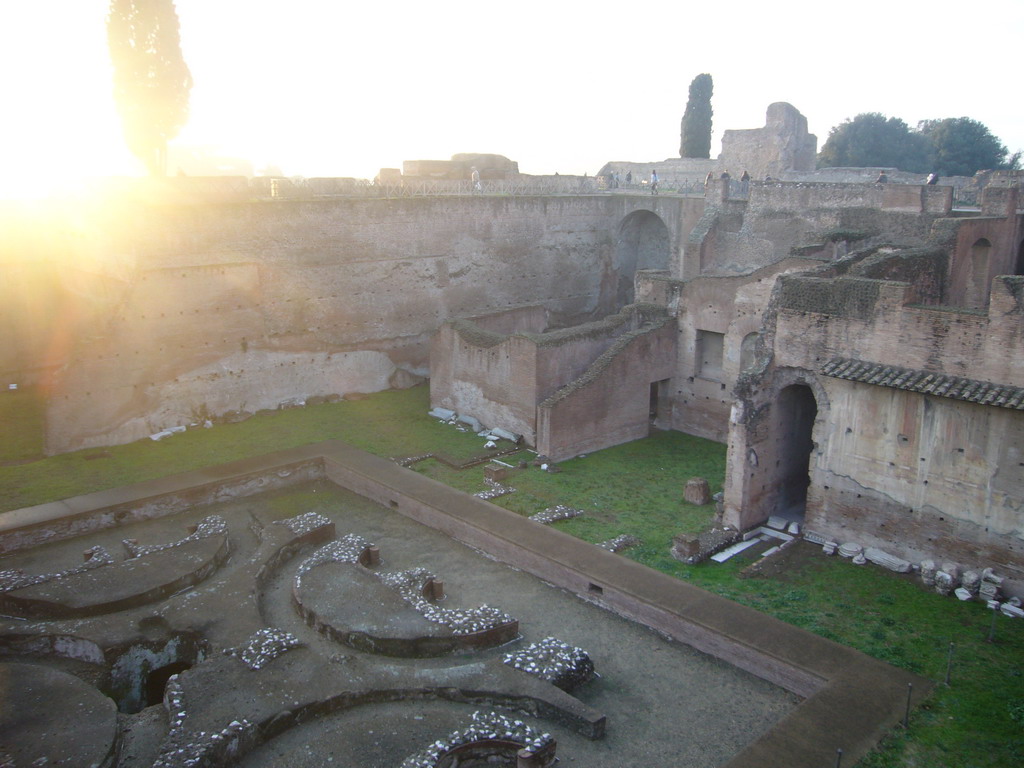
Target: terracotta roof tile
(926,382)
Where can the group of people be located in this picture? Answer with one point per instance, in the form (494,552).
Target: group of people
(614,180)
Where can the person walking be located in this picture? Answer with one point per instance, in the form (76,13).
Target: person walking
(654,181)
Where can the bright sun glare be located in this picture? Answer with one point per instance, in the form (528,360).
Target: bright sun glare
(318,87)
(62,129)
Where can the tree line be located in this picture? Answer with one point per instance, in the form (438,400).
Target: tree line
(954,146)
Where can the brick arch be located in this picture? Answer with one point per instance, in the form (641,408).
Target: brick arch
(642,242)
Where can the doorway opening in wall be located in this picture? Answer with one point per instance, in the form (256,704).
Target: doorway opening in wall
(797,410)
(1020,260)
(643,243)
(660,404)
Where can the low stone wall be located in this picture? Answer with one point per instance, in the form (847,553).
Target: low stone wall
(32,526)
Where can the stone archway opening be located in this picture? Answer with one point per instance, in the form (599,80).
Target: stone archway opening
(643,243)
(796,411)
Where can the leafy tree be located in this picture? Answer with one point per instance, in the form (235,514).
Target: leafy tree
(961,146)
(151,80)
(695,130)
(871,140)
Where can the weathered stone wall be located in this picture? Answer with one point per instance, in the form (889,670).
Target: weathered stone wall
(732,306)
(826,221)
(990,243)
(921,476)
(499,379)
(782,148)
(867,320)
(244,306)
(914,473)
(495,383)
(610,403)
(783,144)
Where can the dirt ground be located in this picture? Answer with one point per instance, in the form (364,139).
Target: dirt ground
(666,704)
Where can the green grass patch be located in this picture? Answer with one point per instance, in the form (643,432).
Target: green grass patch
(21,425)
(393,423)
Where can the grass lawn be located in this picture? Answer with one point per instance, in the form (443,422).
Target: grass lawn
(976,722)
(21,419)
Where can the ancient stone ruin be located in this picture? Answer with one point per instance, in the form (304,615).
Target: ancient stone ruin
(856,346)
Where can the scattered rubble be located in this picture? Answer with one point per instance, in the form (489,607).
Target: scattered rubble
(462,621)
(495,489)
(305,523)
(486,726)
(410,586)
(552,660)
(213,525)
(348,549)
(263,647)
(696,549)
(95,557)
(945,579)
(556,513)
(620,543)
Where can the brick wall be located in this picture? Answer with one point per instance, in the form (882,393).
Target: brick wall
(610,403)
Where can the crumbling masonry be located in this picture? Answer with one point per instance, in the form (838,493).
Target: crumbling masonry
(858,345)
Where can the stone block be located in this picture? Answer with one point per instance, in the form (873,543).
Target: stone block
(928,570)
(697,491)
(971,581)
(944,582)
(850,549)
(886,560)
(471,422)
(496,473)
(685,546)
(505,434)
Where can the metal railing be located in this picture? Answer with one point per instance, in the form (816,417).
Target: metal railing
(549,185)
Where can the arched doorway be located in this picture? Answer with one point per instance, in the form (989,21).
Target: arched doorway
(796,411)
(642,243)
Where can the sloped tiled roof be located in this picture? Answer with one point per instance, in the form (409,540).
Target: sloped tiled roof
(926,382)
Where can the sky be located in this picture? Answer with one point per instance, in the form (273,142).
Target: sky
(334,88)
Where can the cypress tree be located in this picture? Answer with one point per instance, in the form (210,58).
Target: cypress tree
(151,80)
(695,131)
